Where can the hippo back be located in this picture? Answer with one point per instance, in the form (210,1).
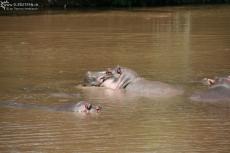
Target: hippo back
(152,88)
(219,93)
(222,81)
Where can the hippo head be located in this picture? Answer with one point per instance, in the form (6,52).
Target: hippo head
(85,107)
(207,81)
(114,78)
(96,78)
(89,108)
(217,81)
(99,78)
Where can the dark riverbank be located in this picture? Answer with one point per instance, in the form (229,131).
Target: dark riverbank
(128,3)
(48,4)
(125,3)
(28,7)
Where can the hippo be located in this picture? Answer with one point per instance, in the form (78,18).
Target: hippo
(218,90)
(121,78)
(217,81)
(81,107)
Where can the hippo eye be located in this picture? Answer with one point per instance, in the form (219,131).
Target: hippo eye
(211,82)
(108,73)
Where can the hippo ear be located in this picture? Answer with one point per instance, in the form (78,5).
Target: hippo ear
(118,69)
(211,81)
(88,106)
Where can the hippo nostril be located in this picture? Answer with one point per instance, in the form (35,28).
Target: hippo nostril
(98,108)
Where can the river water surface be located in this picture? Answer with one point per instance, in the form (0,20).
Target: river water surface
(44,57)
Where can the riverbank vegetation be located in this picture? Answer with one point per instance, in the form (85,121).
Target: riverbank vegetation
(127,3)
(115,3)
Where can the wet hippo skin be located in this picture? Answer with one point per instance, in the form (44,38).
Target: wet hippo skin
(218,90)
(121,78)
(81,107)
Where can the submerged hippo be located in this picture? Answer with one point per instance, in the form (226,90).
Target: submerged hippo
(219,90)
(81,107)
(129,81)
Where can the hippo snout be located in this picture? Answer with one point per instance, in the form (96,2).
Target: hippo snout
(85,107)
(95,78)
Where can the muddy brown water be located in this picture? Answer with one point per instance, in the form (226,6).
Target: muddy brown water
(44,57)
